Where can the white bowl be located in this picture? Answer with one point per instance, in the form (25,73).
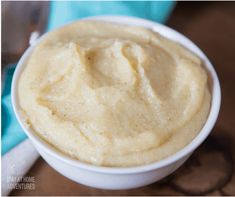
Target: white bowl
(130,177)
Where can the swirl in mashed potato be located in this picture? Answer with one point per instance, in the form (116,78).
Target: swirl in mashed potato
(114,95)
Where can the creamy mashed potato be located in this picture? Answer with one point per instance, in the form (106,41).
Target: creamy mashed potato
(113,95)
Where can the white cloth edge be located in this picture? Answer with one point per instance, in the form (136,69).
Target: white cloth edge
(16,163)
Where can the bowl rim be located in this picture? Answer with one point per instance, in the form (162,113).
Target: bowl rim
(185,151)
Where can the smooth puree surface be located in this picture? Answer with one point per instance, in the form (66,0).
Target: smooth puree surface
(113,95)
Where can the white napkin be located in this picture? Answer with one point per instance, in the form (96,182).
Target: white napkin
(16,163)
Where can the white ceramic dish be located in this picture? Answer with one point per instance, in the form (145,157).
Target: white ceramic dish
(130,177)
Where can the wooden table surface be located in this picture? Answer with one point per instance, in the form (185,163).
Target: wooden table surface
(210,170)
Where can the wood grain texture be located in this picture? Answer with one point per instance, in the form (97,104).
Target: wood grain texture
(210,170)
